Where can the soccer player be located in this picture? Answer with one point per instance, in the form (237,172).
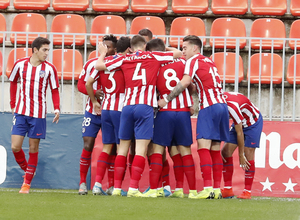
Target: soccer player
(245,134)
(212,122)
(140,71)
(146,33)
(92,121)
(35,74)
(113,87)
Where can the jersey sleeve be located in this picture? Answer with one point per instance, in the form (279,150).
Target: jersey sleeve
(235,112)
(191,66)
(53,78)
(163,57)
(114,64)
(15,73)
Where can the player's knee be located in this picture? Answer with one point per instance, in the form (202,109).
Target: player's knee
(16,148)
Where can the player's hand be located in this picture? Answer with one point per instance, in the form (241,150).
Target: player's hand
(162,103)
(244,163)
(192,110)
(102,48)
(97,107)
(13,110)
(56,118)
(99,94)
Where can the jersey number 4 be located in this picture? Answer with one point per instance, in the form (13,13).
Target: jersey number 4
(141,76)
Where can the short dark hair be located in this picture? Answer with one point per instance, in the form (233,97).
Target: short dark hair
(38,42)
(137,41)
(146,32)
(111,38)
(122,44)
(193,39)
(156,45)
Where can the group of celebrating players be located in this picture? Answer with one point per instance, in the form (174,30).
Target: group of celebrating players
(140,95)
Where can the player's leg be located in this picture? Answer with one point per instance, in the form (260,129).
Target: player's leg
(111,169)
(165,176)
(131,155)
(217,167)
(178,171)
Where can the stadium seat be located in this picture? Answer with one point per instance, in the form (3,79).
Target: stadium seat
(93,54)
(70,5)
(68,63)
(107,24)
(183,26)
(153,6)
(295,7)
(229,7)
(110,5)
(68,23)
(2,27)
(27,23)
(267,28)
(189,6)
(290,69)
(1,64)
(267,7)
(31,4)
(295,33)
(20,53)
(229,70)
(227,27)
(266,59)
(4,4)
(153,23)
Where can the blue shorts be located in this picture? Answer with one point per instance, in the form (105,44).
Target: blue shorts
(172,127)
(34,127)
(110,126)
(213,123)
(136,121)
(251,134)
(91,125)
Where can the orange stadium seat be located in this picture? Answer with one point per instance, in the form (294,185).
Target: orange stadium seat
(20,53)
(234,7)
(190,6)
(267,7)
(295,33)
(290,69)
(153,6)
(31,4)
(70,5)
(68,62)
(267,28)
(153,23)
(183,26)
(295,7)
(1,64)
(4,4)
(110,5)
(27,23)
(266,59)
(229,70)
(68,23)
(107,24)
(93,54)
(228,27)
(2,27)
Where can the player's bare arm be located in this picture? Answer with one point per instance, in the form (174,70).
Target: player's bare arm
(176,53)
(90,92)
(100,64)
(241,144)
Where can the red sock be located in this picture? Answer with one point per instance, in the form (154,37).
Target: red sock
(102,164)
(21,159)
(189,170)
(137,170)
(31,167)
(155,171)
(249,175)
(205,164)
(120,166)
(85,162)
(149,163)
(178,170)
(111,170)
(165,174)
(217,167)
(130,160)
(228,171)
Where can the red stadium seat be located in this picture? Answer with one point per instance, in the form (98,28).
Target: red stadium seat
(2,27)
(31,4)
(20,53)
(227,27)
(153,6)
(290,70)
(295,33)
(107,24)
(190,6)
(110,5)
(267,7)
(229,70)
(267,28)
(27,23)
(70,5)
(266,59)
(234,7)
(68,62)
(183,26)
(68,23)
(295,7)
(4,4)
(153,23)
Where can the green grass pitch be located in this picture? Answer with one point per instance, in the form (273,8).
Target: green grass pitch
(67,204)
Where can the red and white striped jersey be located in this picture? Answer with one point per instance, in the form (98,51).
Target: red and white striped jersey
(33,86)
(140,71)
(241,109)
(205,74)
(87,70)
(169,75)
(113,86)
